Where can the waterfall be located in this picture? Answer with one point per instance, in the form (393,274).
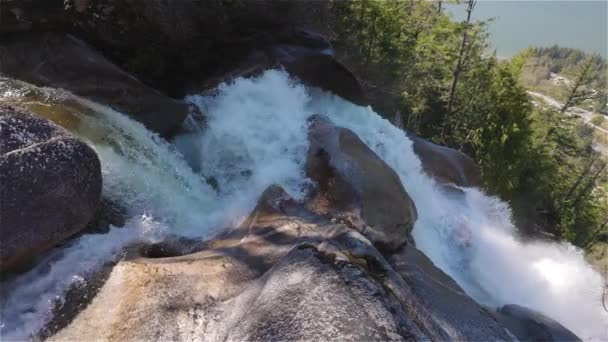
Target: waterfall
(494,266)
(255,135)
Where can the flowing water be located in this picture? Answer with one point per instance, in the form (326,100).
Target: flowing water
(255,135)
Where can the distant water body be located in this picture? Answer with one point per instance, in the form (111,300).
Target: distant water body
(519,24)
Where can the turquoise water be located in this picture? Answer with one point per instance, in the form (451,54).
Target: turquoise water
(519,24)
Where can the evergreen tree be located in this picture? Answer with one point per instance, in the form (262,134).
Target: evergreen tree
(578,89)
(434,74)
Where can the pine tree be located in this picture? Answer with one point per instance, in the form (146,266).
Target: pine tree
(578,89)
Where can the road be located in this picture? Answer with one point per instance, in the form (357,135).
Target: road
(585,115)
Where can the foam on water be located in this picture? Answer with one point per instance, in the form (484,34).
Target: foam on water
(256,135)
(472,238)
(249,144)
(142,173)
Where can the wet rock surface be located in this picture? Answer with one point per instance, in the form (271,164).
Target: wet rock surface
(449,306)
(529,325)
(284,274)
(445,164)
(279,276)
(305,54)
(356,186)
(50,185)
(325,72)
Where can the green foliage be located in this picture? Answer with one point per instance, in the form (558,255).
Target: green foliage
(542,62)
(400,49)
(407,54)
(500,142)
(561,59)
(568,177)
(579,89)
(598,120)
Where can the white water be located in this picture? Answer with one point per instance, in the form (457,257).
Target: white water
(256,136)
(497,268)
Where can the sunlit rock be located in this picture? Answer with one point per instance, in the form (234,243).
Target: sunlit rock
(285,274)
(48,103)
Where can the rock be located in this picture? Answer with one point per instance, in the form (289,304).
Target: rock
(108,213)
(449,306)
(309,56)
(50,185)
(356,186)
(55,105)
(299,42)
(192,45)
(305,54)
(284,274)
(445,164)
(62,61)
(325,72)
(279,276)
(169,44)
(252,65)
(529,325)
(304,296)
(32,15)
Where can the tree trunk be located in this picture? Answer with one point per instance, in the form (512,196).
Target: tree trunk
(581,79)
(370,46)
(576,184)
(591,240)
(458,68)
(588,186)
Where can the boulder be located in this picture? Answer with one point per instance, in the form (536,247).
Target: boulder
(446,165)
(62,61)
(356,186)
(284,274)
(303,53)
(168,43)
(32,15)
(192,45)
(281,275)
(50,185)
(325,72)
(449,306)
(108,213)
(55,105)
(309,56)
(529,325)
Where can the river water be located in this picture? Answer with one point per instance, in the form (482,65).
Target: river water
(518,24)
(255,135)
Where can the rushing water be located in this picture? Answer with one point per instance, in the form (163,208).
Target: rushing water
(255,135)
